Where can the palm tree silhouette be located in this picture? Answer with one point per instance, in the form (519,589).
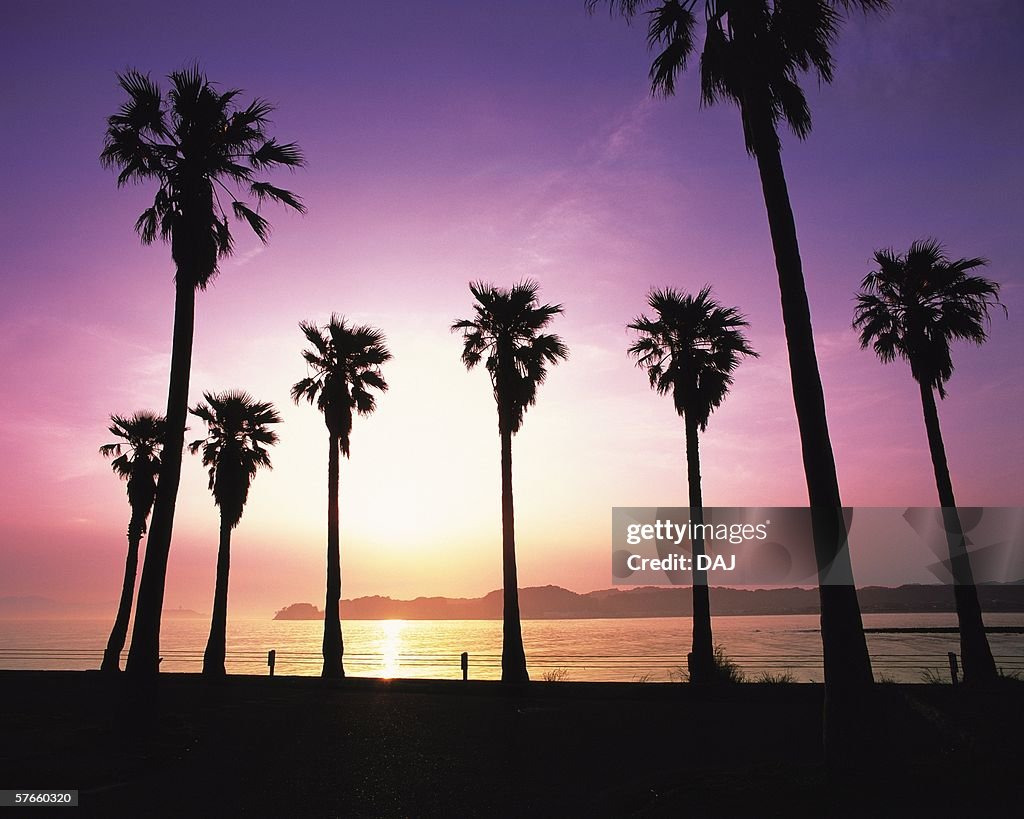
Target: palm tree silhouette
(690,350)
(345,361)
(196,143)
(237,434)
(505,335)
(136,460)
(913,307)
(754,53)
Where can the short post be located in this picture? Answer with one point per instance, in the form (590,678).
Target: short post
(953,666)
(465,665)
(271,659)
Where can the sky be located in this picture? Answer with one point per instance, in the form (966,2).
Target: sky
(454,141)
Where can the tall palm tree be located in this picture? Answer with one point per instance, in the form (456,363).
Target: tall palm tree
(912,307)
(690,350)
(237,435)
(505,335)
(197,144)
(345,362)
(136,460)
(753,56)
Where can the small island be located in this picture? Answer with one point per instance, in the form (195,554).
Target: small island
(299,611)
(187,614)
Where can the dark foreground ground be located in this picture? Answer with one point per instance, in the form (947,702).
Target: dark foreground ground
(294,747)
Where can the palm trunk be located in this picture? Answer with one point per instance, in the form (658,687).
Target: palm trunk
(118,634)
(513,656)
(974,648)
(702,653)
(144,654)
(844,648)
(333,646)
(845,656)
(213,659)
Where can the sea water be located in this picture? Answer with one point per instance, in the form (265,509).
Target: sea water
(635,649)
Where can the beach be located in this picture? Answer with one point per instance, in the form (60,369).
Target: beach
(258,746)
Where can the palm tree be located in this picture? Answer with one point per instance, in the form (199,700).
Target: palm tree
(345,361)
(136,460)
(754,54)
(505,335)
(237,434)
(913,307)
(690,351)
(196,143)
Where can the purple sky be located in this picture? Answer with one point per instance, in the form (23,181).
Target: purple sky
(450,141)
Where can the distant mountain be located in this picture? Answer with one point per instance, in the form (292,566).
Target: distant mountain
(556,603)
(46,608)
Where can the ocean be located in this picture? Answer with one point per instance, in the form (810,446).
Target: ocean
(648,649)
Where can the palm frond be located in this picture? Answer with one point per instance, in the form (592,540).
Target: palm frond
(690,349)
(306,388)
(754,53)
(345,363)
(272,153)
(110,450)
(237,434)
(136,457)
(260,226)
(146,226)
(143,112)
(627,8)
(913,306)
(196,140)
(505,335)
(671,28)
(264,190)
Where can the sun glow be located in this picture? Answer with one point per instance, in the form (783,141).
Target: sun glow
(391,648)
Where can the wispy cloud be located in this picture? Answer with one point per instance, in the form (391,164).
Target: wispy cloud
(243,259)
(627,133)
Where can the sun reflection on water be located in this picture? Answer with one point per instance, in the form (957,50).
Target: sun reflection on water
(391,647)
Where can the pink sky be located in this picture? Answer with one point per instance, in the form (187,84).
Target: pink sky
(454,144)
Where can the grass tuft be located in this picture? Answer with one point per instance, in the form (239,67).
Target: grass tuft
(725,672)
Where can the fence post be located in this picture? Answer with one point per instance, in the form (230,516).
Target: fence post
(953,666)
(465,665)
(271,659)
